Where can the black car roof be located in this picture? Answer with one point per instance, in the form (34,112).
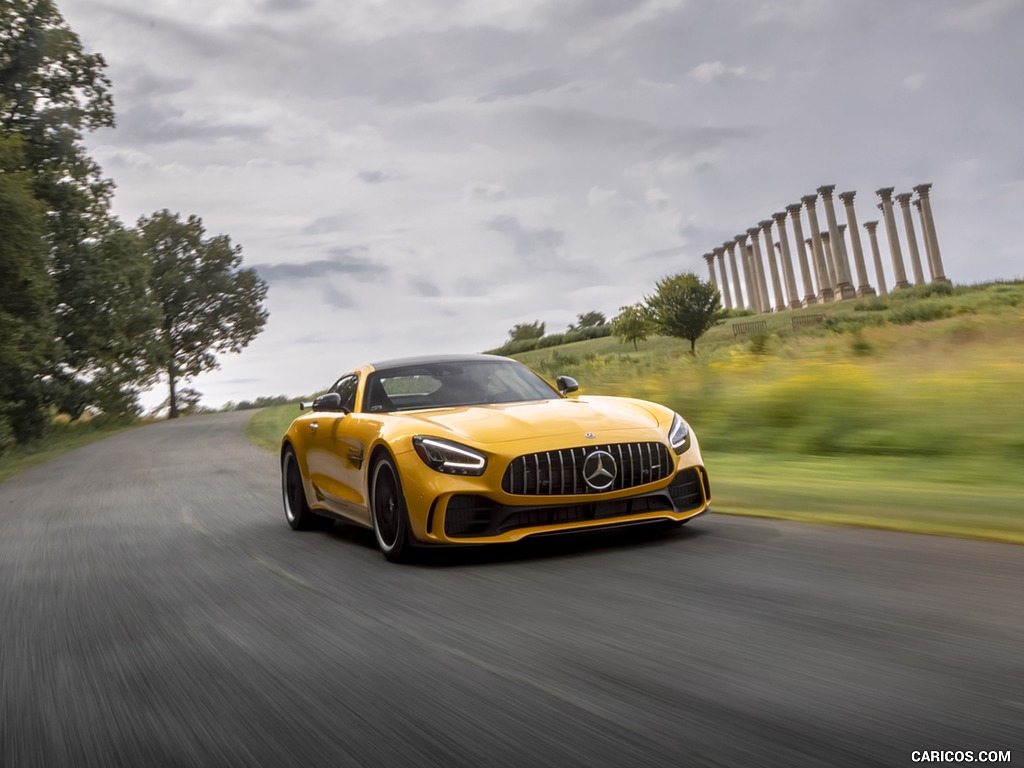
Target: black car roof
(404,362)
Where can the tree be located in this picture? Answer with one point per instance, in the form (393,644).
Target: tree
(589,320)
(632,324)
(107,324)
(207,304)
(523,331)
(685,307)
(51,92)
(26,322)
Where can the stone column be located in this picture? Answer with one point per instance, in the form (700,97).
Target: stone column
(782,275)
(748,273)
(824,284)
(927,240)
(830,264)
(730,248)
(769,247)
(710,259)
(748,254)
(719,253)
(871,226)
(801,254)
(926,215)
(894,238)
(908,225)
(762,284)
(843,284)
(817,278)
(863,286)
(787,261)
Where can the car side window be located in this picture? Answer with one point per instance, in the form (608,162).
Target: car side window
(346,387)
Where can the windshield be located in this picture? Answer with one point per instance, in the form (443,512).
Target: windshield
(448,384)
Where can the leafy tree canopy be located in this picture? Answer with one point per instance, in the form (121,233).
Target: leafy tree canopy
(50,88)
(589,320)
(632,324)
(684,306)
(208,304)
(523,331)
(26,324)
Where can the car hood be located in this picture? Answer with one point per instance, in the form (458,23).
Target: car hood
(501,423)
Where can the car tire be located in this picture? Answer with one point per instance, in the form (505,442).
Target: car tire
(389,513)
(293,492)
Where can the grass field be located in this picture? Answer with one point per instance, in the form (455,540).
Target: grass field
(902,413)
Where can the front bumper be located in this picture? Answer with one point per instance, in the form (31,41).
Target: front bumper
(474,518)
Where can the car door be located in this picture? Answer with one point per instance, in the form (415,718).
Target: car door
(327,457)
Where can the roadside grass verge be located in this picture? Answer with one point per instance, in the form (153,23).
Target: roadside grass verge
(61,438)
(945,497)
(267,426)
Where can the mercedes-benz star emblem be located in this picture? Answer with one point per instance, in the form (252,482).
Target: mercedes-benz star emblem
(590,435)
(599,470)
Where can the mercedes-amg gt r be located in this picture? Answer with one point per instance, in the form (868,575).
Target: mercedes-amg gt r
(479,449)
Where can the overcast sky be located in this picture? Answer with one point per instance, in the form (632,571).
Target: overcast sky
(419,176)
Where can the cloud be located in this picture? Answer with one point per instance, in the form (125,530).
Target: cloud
(527,83)
(341,263)
(711,71)
(661,254)
(531,243)
(327,225)
(146,123)
(597,196)
(375,177)
(978,15)
(915,82)
(795,13)
(657,198)
(629,18)
(421,286)
(146,86)
(288,6)
(487,192)
(337,298)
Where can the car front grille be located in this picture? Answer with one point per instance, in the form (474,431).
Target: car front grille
(558,473)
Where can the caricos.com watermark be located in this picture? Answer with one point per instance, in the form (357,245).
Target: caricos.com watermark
(960,756)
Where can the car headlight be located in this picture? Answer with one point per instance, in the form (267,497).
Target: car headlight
(679,434)
(449,457)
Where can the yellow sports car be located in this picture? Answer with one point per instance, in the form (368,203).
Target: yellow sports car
(479,449)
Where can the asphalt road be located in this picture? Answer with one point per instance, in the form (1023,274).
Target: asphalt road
(155,609)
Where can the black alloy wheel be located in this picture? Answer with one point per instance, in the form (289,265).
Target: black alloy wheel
(390,517)
(296,511)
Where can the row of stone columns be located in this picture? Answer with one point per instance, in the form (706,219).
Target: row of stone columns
(822,259)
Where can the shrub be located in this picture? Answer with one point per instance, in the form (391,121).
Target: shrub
(853,323)
(922,311)
(552,340)
(876,304)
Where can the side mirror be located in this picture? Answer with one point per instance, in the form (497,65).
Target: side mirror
(329,402)
(566,385)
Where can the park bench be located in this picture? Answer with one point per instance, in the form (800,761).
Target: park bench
(755,326)
(806,321)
